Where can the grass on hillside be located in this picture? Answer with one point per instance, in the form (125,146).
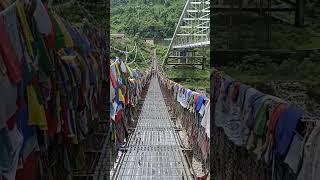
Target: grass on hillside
(190,77)
(188,73)
(307,70)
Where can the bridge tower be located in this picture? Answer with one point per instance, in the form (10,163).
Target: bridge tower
(192,31)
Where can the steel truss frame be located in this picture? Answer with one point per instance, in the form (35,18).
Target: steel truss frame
(192,31)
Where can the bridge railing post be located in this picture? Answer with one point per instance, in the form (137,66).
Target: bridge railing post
(299,14)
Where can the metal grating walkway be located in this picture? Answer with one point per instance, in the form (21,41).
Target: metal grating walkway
(154,151)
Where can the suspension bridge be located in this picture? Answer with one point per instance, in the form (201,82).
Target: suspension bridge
(155,149)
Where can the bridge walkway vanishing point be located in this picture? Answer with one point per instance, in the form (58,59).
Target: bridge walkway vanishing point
(154,149)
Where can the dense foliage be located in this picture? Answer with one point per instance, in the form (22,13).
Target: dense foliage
(156,19)
(145,18)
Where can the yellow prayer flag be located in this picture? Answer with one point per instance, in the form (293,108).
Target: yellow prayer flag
(36,113)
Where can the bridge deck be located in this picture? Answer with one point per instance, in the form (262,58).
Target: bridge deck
(154,151)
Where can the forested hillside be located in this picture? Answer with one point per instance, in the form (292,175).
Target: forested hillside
(156,19)
(145,18)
